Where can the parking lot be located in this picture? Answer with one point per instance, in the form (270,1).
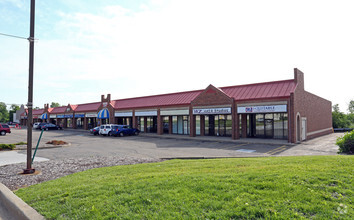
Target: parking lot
(83,144)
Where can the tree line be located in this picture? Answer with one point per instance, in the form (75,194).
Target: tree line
(7,115)
(342,120)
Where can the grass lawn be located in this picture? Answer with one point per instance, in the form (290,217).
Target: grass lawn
(314,187)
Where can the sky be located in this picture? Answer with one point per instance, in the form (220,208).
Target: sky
(88,48)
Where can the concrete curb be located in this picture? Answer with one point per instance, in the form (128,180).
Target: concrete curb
(43,146)
(12,207)
(219,139)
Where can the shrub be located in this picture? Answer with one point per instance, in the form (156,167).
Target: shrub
(7,146)
(56,142)
(346,143)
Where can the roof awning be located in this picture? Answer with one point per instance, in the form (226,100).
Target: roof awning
(103,114)
(44,116)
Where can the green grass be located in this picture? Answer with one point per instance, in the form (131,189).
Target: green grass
(319,187)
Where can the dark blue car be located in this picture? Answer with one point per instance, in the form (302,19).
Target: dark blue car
(124,130)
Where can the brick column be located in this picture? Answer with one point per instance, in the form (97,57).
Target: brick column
(170,124)
(192,123)
(202,125)
(244,125)
(85,123)
(75,122)
(145,124)
(233,119)
(159,123)
(135,121)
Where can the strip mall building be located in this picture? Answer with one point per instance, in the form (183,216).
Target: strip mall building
(273,110)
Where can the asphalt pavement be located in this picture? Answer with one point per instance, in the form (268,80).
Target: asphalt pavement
(83,144)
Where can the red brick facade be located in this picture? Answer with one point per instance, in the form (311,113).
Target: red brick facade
(308,115)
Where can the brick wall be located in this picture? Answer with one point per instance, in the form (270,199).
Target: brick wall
(318,111)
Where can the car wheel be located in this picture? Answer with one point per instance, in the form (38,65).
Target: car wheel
(109,133)
(3,132)
(121,134)
(136,133)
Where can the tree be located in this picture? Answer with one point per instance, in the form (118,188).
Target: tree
(13,110)
(351,107)
(339,119)
(54,104)
(4,114)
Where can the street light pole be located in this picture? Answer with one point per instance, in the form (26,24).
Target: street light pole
(29,169)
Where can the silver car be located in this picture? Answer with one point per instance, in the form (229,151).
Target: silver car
(106,129)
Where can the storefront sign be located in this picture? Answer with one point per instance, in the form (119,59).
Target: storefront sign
(262,109)
(52,116)
(146,113)
(68,116)
(123,114)
(80,115)
(91,115)
(175,112)
(211,111)
(60,116)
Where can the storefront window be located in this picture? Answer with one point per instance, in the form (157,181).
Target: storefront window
(165,124)
(271,125)
(174,125)
(79,123)
(151,124)
(180,124)
(218,125)
(206,127)
(141,124)
(69,123)
(197,125)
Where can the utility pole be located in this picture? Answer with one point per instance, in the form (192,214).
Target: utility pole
(29,168)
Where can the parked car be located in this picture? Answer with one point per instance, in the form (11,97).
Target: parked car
(40,125)
(50,126)
(35,125)
(4,128)
(123,130)
(95,131)
(106,129)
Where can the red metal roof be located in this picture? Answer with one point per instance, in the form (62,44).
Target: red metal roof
(58,110)
(267,90)
(37,111)
(181,98)
(88,107)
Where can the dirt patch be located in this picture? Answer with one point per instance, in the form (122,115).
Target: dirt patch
(56,142)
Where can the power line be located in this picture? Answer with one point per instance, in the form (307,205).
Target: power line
(9,35)
(14,36)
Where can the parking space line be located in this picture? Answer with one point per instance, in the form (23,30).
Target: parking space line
(277,150)
(234,146)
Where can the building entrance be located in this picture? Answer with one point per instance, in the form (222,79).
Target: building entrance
(272,125)
(218,125)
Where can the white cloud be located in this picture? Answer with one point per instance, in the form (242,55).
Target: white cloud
(177,45)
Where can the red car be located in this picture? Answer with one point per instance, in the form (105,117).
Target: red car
(4,128)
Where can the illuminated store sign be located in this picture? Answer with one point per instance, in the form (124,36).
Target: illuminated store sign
(211,111)
(262,109)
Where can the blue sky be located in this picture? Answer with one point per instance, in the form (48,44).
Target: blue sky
(87,48)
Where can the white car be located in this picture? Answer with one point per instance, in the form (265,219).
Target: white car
(107,129)
(35,125)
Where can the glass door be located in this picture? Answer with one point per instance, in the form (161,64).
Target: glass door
(269,126)
(211,125)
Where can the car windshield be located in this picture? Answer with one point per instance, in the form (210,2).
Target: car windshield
(5,126)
